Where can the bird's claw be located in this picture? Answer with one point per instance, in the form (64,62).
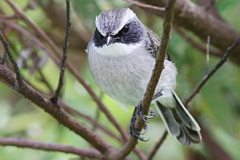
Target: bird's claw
(152,115)
(138,111)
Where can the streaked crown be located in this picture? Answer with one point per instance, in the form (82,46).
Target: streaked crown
(112,21)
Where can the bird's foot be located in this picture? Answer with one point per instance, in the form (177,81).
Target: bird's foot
(139,111)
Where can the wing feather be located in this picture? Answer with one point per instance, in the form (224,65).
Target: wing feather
(153,44)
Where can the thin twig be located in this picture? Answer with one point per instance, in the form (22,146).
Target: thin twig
(19,84)
(210,74)
(155,75)
(153,152)
(146,6)
(54,99)
(25,143)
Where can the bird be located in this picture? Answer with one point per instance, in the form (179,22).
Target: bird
(121,57)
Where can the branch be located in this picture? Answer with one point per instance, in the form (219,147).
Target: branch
(7,77)
(19,84)
(198,88)
(70,68)
(54,99)
(210,74)
(154,150)
(24,143)
(155,75)
(146,6)
(9,17)
(90,119)
(203,24)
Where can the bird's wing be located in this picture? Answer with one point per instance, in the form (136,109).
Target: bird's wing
(153,44)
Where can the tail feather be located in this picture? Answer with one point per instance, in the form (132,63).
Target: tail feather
(185,115)
(169,119)
(180,123)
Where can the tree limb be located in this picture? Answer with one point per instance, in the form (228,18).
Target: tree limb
(25,143)
(8,78)
(203,24)
(155,75)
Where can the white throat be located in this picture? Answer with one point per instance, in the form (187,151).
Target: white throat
(118,49)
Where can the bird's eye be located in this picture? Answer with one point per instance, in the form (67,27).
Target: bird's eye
(125,29)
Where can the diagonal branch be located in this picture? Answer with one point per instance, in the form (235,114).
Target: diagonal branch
(155,75)
(155,148)
(8,78)
(25,143)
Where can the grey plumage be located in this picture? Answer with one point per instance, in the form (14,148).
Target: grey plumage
(121,58)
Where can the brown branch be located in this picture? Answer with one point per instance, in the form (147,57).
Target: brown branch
(209,6)
(215,150)
(146,6)
(155,75)
(54,99)
(203,24)
(70,68)
(8,78)
(24,143)
(90,119)
(9,17)
(154,150)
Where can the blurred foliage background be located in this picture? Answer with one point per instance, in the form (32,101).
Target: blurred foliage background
(217,106)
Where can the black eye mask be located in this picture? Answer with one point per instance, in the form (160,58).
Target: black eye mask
(131,33)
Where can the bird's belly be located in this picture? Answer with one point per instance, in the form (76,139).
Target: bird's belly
(123,78)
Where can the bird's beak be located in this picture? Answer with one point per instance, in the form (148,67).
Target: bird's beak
(110,40)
